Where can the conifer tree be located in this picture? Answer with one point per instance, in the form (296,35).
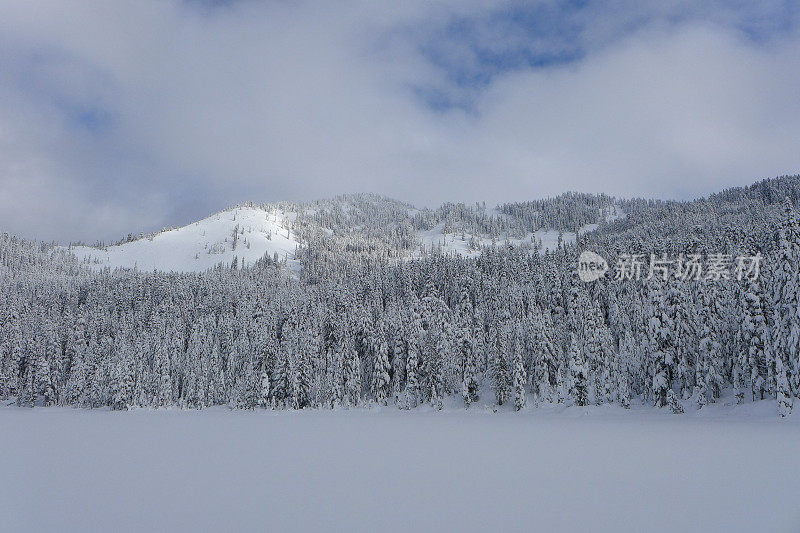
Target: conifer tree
(545,379)
(398,361)
(520,377)
(264,392)
(662,349)
(412,381)
(381,380)
(622,372)
(76,382)
(499,350)
(579,386)
(786,291)
(353,378)
(754,333)
(709,355)
(44,383)
(163,395)
(782,386)
(469,382)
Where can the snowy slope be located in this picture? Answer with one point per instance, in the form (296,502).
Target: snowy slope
(469,246)
(209,242)
(453,243)
(203,244)
(544,239)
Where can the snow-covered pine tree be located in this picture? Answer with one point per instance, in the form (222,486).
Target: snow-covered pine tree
(708,383)
(469,383)
(245,389)
(546,372)
(412,380)
(76,382)
(520,377)
(352,378)
(499,347)
(593,351)
(785,280)
(579,388)
(398,360)
(661,333)
(336,368)
(44,382)
(622,372)
(754,336)
(163,395)
(122,378)
(684,322)
(784,395)
(381,381)
(264,391)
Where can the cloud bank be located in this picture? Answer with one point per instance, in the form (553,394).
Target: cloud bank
(129,116)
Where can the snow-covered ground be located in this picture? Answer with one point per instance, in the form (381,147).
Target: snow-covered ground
(454,243)
(209,242)
(543,239)
(548,469)
(608,214)
(612,213)
(203,244)
(448,242)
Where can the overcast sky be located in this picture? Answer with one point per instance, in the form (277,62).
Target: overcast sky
(127,116)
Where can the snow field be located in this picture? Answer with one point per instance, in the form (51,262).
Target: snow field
(203,244)
(547,469)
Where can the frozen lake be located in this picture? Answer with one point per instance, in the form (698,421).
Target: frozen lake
(579,469)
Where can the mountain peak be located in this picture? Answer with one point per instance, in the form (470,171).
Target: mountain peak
(245,232)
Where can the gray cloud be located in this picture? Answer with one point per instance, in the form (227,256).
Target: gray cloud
(134,115)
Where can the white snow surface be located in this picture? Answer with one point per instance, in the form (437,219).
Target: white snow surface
(609,214)
(453,243)
(548,469)
(548,238)
(615,212)
(495,212)
(206,243)
(203,244)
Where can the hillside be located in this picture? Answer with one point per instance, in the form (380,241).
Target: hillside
(243,233)
(372,315)
(249,232)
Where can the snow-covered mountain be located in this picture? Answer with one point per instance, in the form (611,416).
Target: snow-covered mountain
(248,232)
(244,233)
(372,299)
(470,245)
